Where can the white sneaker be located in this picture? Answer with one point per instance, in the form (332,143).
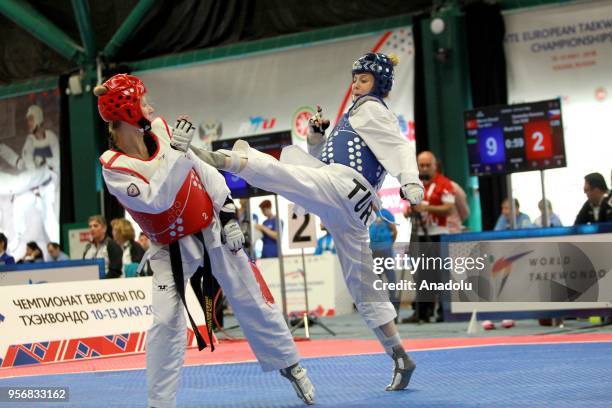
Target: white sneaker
(403,367)
(300,381)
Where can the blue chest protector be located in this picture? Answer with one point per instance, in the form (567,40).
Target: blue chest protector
(44,152)
(345,146)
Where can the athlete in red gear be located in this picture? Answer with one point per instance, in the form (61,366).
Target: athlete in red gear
(185,208)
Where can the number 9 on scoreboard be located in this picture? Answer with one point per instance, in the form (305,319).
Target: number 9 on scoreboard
(491,145)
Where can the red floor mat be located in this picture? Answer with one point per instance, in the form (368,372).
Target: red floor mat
(239,351)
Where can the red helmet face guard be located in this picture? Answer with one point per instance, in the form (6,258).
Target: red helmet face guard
(122,100)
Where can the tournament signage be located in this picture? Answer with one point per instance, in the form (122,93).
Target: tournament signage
(30,170)
(564,52)
(302,229)
(514,138)
(327,292)
(278,91)
(79,320)
(533,275)
(63,271)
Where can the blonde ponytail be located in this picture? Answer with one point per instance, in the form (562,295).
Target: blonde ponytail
(394,59)
(100,90)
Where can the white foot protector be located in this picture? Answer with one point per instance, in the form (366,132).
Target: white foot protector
(300,381)
(220,158)
(215,159)
(237,157)
(241,146)
(403,367)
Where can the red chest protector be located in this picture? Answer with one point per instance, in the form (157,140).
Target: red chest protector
(191,212)
(192,208)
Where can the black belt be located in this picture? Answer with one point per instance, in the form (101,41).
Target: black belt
(202,283)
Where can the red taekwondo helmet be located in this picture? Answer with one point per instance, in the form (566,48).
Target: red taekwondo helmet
(119,99)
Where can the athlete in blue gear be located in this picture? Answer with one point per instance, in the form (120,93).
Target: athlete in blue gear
(340,186)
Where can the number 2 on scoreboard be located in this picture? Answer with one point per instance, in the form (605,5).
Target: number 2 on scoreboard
(538,137)
(538,140)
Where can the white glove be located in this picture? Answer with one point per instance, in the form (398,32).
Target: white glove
(412,192)
(317,126)
(182,134)
(234,238)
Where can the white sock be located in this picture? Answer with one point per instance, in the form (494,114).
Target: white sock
(388,342)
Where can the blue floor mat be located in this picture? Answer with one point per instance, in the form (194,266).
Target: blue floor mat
(550,375)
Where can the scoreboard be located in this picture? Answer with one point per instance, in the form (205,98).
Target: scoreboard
(515,138)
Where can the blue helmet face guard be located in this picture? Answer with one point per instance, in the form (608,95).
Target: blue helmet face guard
(381,67)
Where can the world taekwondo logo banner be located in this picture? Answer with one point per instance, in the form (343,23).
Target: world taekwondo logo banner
(527,271)
(30,170)
(279,91)
(534,272)
(564,52)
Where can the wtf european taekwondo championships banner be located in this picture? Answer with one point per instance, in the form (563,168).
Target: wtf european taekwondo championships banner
(279,91)
(30,170)
(564,52)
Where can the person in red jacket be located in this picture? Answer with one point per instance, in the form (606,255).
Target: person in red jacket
(430,217)
(432,213)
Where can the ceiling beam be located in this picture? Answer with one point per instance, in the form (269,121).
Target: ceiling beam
(28,18)
(127,28)
(83,18)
